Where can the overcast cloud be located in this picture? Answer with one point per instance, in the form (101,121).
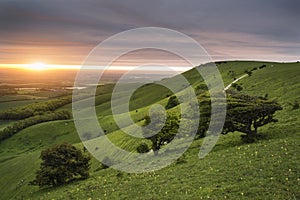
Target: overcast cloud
(63,32)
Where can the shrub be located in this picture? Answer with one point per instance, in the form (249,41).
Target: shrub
(61,164)
(143,148)
(172,102)
(248,72)
(263,66)
(237,87)
(231,73)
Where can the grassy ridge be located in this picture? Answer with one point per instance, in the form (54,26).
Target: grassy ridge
(268,169)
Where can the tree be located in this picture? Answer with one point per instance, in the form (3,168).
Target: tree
(167,131)
(172,102)
(205,115)
(247,113)
(143,148)
(248,72)
(237,86)
(61,164)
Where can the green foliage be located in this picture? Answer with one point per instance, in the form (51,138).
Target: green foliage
(201,89)
(172,102)
(244,114)
(205,115)
(34,109)
(248,72)
(247,113)
(61,164)
(21,124)
(143,148)
(167,131)
(237,86)
(262,66)
(231,73)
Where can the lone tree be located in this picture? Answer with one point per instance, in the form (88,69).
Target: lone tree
(166,131)
(247,113)
(61,164)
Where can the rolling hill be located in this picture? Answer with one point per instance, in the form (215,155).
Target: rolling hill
(267,169)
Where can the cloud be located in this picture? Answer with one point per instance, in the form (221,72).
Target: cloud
(65,31)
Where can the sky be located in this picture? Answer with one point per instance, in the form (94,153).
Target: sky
(64,32)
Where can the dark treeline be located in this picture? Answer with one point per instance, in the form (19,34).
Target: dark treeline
(40,108)
(22,124)
(34,109)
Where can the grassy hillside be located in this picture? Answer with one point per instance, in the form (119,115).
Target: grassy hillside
(267,169)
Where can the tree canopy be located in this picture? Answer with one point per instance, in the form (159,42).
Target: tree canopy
(172,102)
(247,113)
(61,164)
(244,114)
(167,130)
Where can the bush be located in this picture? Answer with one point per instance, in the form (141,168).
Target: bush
(248,72)
(143,148)
(237,87)
(231,73)
(172,102)
(61,164)
(263,66)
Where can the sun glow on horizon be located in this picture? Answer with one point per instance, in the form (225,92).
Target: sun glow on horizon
(39,66)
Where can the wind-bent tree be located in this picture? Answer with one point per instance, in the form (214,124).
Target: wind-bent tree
(61,164)
(244,114)
(247,113)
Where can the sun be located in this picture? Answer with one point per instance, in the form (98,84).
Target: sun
(37,66)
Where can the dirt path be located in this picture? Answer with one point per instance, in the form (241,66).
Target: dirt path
(236,80)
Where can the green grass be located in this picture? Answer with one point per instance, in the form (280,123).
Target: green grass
(234,172)
(8,103)
(267,169)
